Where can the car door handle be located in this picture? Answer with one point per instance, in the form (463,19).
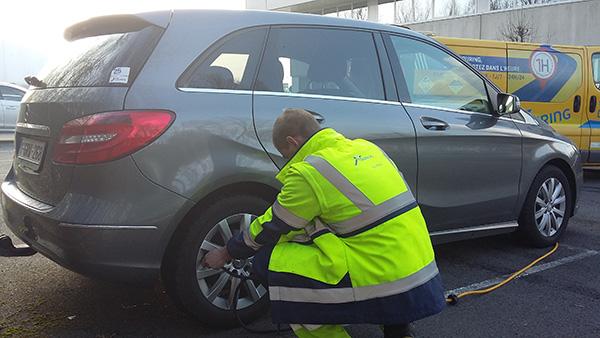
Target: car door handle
(593,101)
(317,116)
(431,123)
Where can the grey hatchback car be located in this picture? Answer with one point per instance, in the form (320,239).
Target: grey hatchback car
(151,142)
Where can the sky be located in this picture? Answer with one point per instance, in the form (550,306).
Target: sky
(31,31)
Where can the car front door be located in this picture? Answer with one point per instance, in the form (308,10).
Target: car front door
(336,74)
(469,159)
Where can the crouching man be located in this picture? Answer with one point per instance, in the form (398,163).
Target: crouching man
(345,241)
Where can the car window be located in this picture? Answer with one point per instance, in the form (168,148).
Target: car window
(596,69)
(435,78)
(230,65)
(11,94)
(104,60)
(321,61)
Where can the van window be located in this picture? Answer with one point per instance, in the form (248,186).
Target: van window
(11,94)
(332,62)
(103,60)
(230,65)
(596,68)
(435,78)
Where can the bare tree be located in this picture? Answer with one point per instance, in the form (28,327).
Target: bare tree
(359,13)
(533,2)
(423,13)
(518,28)
(499,4)
(403,16)
(452,8)
(505,4)
(356,13)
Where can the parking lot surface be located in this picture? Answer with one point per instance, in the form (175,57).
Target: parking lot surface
(558,298)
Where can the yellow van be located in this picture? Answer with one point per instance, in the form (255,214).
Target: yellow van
(560,84)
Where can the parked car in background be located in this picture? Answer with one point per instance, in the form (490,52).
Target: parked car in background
(10,99)
(560,84)
(151,143)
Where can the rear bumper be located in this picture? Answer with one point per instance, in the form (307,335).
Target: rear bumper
(112,252)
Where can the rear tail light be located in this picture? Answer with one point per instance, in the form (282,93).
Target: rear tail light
(108,136)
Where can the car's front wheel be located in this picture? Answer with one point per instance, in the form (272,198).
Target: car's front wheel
(206,293)
(546,211)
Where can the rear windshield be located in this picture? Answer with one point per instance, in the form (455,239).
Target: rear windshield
(104,60)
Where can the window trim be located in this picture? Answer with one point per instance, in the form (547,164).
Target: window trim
(398,73)
(389,83)
(329,27)
(222,40)
(597,54)
(13,88)
(206,53)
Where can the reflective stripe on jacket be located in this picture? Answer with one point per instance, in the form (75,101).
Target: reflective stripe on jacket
(351,243)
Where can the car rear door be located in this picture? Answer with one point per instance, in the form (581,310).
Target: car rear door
(336,73)
(469,159)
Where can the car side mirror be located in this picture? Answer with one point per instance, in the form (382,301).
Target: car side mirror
(508,104)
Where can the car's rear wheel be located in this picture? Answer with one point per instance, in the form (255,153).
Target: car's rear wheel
(206,293)
(546,211)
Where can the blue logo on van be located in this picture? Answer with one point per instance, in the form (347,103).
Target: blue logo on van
(551,68)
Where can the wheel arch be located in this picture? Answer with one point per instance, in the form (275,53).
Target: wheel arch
(564,166)
(566,169)
(252,188)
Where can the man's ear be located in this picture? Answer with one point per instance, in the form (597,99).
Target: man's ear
(292,141)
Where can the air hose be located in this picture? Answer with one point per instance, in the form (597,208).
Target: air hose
(452,298)
(236,296)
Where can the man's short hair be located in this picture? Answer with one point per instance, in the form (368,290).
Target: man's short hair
(293,122)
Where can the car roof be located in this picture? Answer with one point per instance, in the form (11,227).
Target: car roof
(12,85)
(255,17)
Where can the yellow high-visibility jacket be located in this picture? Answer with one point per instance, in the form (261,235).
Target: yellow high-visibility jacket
(350,242)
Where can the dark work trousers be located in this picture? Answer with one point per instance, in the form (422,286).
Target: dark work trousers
(260,273)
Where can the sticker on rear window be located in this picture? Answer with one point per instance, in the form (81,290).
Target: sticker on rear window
(119,75)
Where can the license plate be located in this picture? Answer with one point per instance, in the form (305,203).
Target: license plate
(32,151)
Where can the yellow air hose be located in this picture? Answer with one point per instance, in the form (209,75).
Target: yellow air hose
(452,299)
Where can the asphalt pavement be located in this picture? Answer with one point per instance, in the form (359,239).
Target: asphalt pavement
(559,298)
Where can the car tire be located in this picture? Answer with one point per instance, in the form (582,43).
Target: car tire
(196,295)
(540,221)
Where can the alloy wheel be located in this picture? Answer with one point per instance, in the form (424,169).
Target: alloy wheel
(550,207)
(217,285)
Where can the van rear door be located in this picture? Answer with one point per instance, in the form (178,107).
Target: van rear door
(549,80)
(591,128)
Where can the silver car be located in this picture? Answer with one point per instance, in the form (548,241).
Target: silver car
(10,97)
(151,143)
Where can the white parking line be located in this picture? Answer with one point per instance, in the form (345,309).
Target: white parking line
(538,268)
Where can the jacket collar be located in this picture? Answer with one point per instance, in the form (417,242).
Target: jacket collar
(319,140)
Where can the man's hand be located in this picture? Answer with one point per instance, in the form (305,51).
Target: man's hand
(216,258)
